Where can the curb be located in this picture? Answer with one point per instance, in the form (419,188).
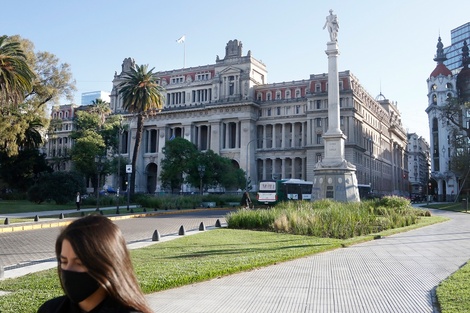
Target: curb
(54,223)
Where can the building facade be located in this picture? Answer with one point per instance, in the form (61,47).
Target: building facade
(270,130)
(445,84)
(59,141)
(418,164)
(453,52)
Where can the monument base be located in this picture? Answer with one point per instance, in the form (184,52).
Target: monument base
(337,182)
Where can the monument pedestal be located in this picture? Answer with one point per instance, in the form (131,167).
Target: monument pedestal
(334,177)
(337,183)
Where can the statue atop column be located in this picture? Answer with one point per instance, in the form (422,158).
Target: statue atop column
(332,25)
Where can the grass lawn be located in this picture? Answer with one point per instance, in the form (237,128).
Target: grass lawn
(453,294)
(449,206)
(21,206)
(191,259)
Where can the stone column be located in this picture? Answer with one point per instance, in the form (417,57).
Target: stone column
(334,176)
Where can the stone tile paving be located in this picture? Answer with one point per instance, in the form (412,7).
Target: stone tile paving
(393,274)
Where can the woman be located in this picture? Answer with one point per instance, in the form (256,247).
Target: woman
(95,270)
(246,201)
(78,200)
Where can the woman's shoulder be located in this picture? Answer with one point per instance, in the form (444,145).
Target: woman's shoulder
(111,306)
(55,305)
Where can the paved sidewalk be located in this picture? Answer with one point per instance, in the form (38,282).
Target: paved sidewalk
(393,274)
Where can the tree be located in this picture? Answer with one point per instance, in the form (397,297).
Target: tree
(180,155)
(219,172)
(89,143)
(101,108)
(60,187)
(181,165)
(21,171)
(16,76)
(461,157)
(141,95)
(25,110)
(454,111)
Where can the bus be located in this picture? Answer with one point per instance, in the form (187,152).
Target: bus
(273,191)
(365,191)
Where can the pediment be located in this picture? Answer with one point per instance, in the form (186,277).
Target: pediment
(230,71)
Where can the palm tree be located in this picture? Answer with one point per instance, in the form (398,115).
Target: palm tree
(101,108)
(141,95)
(33,135)
(16,77)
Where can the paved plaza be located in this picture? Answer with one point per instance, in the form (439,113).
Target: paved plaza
(397,273)
(393,274)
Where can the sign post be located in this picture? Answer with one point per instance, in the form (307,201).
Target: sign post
(129,172)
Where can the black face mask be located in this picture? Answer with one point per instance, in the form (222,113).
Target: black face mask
(78,285)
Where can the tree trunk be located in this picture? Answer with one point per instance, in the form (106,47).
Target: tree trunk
(138,139)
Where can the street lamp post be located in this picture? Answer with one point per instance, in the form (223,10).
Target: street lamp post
(201,169)
(371,145)
(119,166)
(99,167)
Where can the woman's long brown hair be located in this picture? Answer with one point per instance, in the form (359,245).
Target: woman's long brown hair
(101,247)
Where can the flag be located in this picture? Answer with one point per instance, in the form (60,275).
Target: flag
(181,39)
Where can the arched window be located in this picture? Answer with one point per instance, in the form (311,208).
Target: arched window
(434,99)
(449,86)
(317,87)
(297,93)
(278,95)
(433,87)
(268,96)
(287,94)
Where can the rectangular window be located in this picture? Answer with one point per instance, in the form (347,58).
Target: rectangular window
(319,139)
(318,122)
(318,104)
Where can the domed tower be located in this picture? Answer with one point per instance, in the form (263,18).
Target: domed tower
(442,85)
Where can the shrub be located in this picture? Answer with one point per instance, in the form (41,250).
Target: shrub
(328,218)
(58,186)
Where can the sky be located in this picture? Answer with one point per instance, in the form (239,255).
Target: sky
(388,45)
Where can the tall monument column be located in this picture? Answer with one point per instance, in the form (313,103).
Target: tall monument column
(334,177)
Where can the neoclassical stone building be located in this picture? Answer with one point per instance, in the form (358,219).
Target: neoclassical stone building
(270,130)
